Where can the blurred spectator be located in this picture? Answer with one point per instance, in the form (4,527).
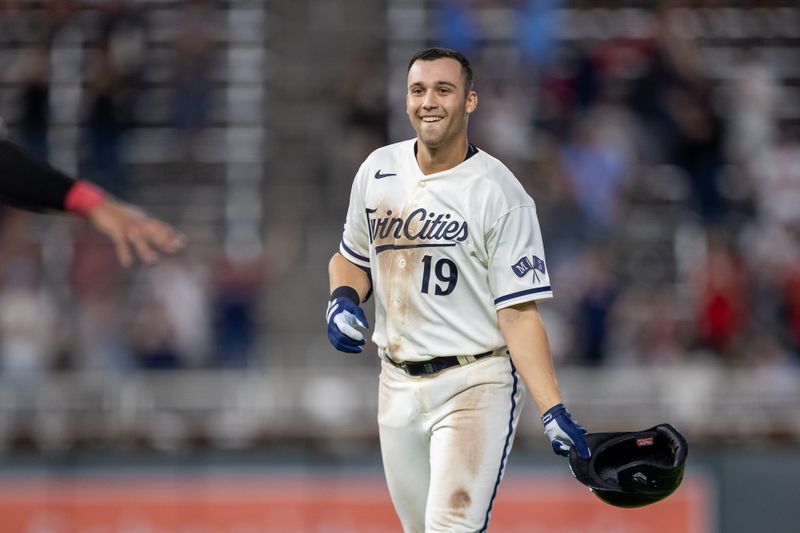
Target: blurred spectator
(97,322)
(776,180)
(773,253)
(673,97)
(666,64)
(35,100)
(504,129)
(98,340)
(456,26)
(554,100)
(751,111)
(27,311)
(598,166)
(113,84)
(661,332)
(537,32)
(191,86)
(175,296)
(721,285)
(595,306)
(10,21)
(773,239)
(697,148)
(588,78)
(564,222)
(122,33)
(59,13)
(363,100)
(235,305)
(108,116)
(791,308)
(153,339)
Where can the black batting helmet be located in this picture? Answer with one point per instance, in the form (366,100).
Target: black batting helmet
(632,469)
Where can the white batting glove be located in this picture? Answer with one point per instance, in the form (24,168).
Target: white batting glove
(344,316)
(564,432)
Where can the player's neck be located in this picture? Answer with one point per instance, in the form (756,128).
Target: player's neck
(439,159)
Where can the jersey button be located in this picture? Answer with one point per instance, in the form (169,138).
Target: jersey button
(402,262)
(397,301)
(421,184)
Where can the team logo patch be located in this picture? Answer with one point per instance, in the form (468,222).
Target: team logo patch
(525,265)
(538,264)
(522,267)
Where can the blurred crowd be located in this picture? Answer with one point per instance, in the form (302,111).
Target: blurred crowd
(66,304)
(667,187)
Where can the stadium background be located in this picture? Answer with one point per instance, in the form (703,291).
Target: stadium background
(660,141)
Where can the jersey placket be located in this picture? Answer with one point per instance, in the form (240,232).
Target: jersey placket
(402,277)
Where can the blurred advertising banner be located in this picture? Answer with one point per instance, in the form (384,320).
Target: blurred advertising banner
(235,503)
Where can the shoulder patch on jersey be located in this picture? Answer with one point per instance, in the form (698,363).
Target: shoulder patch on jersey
(522,267)
(525,265)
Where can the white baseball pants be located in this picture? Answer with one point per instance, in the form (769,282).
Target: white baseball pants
(445,440)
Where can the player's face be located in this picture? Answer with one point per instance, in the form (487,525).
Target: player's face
(437,102)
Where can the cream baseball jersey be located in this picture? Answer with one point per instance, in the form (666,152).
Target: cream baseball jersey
(445,251)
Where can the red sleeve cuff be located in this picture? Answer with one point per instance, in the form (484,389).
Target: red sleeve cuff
(83,197)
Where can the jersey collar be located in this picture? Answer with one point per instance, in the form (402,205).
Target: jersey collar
(471,150)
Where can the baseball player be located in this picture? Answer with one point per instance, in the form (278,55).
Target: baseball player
(30,184)
(449,242)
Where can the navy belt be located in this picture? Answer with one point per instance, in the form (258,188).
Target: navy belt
(433,366)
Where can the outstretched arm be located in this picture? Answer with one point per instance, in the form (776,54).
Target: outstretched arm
(30,184)
(133,232)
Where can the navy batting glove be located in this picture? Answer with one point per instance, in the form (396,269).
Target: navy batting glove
(564,432)
(343,316)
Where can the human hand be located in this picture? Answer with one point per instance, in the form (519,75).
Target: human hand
(343,316)
(564,432)
(135,233)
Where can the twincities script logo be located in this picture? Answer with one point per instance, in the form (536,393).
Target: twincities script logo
(421,228)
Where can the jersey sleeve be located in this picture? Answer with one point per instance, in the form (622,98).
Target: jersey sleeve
(517,268)
(354,245)
(28,183)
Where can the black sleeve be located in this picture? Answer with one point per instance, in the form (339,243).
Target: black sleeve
(28,183)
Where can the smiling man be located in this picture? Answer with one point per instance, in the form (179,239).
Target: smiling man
(438,103)
(449,242)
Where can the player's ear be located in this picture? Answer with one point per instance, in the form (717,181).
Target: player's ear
(472,101)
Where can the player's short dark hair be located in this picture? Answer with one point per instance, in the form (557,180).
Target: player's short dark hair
(432,54)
